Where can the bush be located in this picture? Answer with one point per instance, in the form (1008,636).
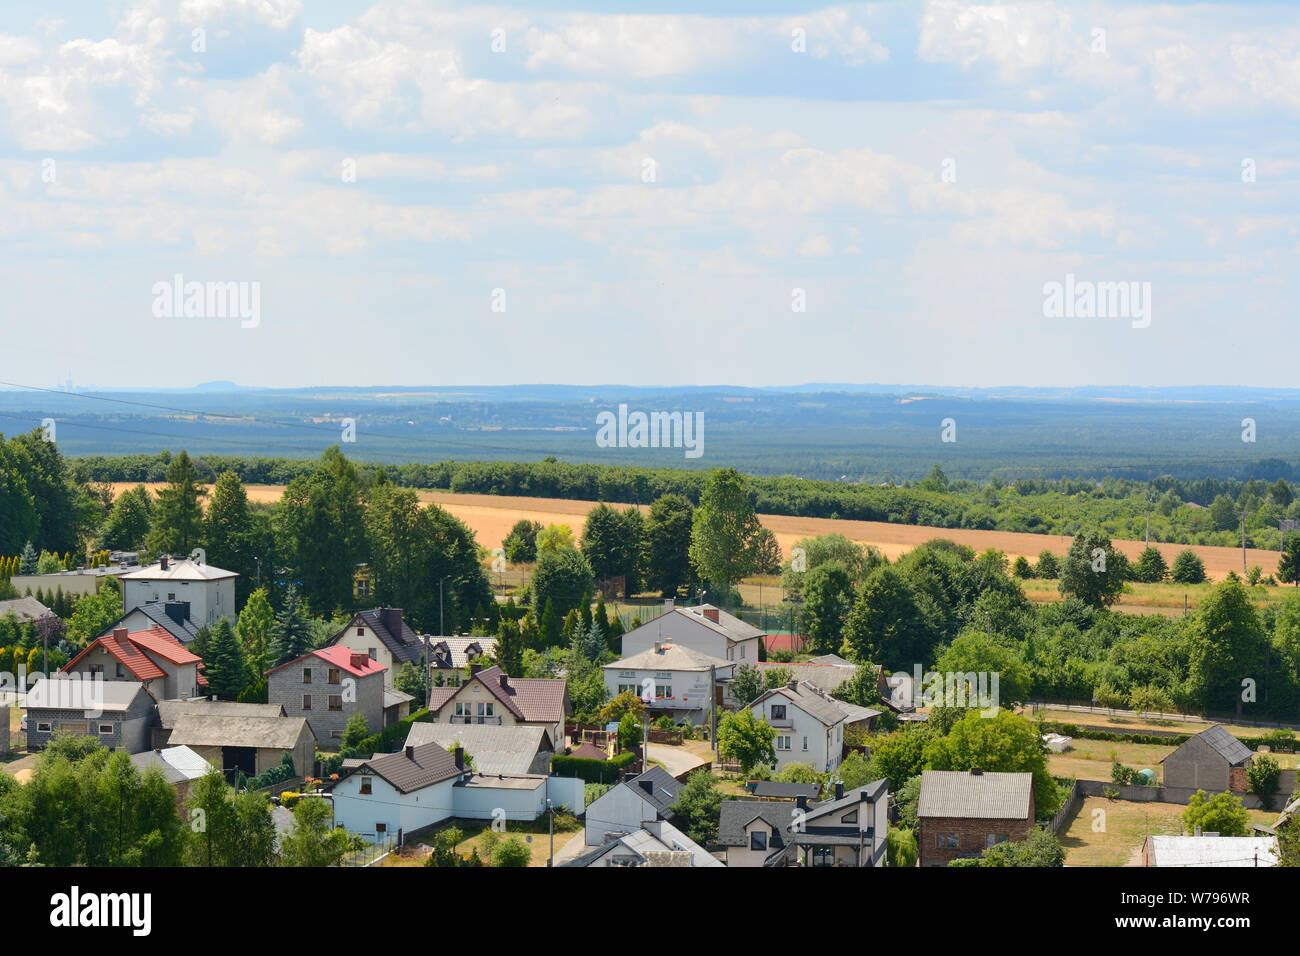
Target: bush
(277,774)
(591,770)
(391,738)
(511,851)
(900,847)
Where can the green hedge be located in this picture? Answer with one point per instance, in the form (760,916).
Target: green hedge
(590,769)
(391,737)
(1274,740)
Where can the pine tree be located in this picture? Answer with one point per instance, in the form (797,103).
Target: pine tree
(510,649)
(178,516)
(292,628)
(584,611)
(224,664)
(1288,565)
(550,635)
(29,559)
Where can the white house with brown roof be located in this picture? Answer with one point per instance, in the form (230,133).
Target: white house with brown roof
(210,591)
(383,636)
(704,629)
(809,725)
(491,697)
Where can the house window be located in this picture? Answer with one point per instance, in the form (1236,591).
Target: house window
(742,653)
(306,675)
(42,727)
(365,785)
(336,702)
(105,729)
(778,711)
(823,856)
(334,675)
(361,632)
(947,841)
(463,710)
(306,701)
(758,840)
(121,672)
(850,817)
(374,653)
(663,690)
(805,743)
(381,829)
(782,741)
(485,710)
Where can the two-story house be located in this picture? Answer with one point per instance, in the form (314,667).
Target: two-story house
(850,829)
(963,813)
(677,681)
(491,697)
(809,725)
(704,629)
(210,591)
(384,637)
(153,657)
(327,686)
(118,712)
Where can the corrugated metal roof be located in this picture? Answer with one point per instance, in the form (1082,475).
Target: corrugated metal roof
(1226,745)
(1212,851)
(960,793)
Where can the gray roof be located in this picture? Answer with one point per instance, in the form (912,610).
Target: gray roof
(395,698)
(422,767)
(178,764)
(653,837)
(738,814)
(156,611)
(804,696)
(1212,851)
(658,786)
(494,749)
(870,791)
(1225,745)
(169,711)
(74,693)
(264,733)
(786,791)
(989,796)
(24,609)
(827,677)
(669,657)
(182,570)
(729,624)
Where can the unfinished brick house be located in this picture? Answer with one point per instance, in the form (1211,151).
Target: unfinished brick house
(962,813)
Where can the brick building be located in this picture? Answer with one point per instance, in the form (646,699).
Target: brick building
(327,686)
(962,813)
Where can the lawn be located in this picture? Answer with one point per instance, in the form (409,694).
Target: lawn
(1100,717)
(1113,836)
(534,834)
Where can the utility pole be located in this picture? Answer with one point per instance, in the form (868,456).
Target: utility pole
(713,714)
(550,828)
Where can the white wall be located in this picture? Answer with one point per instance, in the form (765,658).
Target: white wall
(822,754)
(691,685)
(621,809)
(209,600)
(680,630)
(359,813)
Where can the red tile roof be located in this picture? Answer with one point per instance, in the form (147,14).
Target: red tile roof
(358,665)
(134,651)
(159,642)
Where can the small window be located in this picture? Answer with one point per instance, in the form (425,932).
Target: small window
(805,743)
(334,675)
(758,840)
(778,711)
(171,595)
(336,702)
(121,671)
(782,741)
(850,817)
(366,784)
(42,727)
(374,654)
(742,653)
(381,829)
(361,632)
(306,675)
(306,701)
(106,729)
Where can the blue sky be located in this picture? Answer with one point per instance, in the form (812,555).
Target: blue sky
(1104,141)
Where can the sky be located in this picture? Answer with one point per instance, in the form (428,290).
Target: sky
(709,193)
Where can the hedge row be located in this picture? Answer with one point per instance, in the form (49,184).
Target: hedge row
(391,737)
(1274,740)
(591,770)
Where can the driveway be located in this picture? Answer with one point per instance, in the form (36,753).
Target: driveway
(678,761)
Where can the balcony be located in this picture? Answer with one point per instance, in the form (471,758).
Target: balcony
(461,719)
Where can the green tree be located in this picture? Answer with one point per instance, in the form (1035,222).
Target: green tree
(747,740)
(554,537)
(899,756)
(612,543)
(1226,645)
(747,684)
(1188,568)
(900,847)
(724,530)
(1040,848)
(668,544)
(886,623)
(520,545)
(224,664)
(1048,567)
(698,807)
(974,653)
(561,576)
(355,731)
(229,535)
(1151,567)
(1091,570)
(320,525)
(312,841)
(256,630)
(1264,773)
(510,648)
(177,526)
(550,626)
(1004,743)
(1222,814)
(292,628)
(95,613)
(1288,564)
(828,599)
(128,522)
(511,851)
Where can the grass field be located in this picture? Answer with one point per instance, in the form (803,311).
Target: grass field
(1114,836)
(1091,759)
(1120,723)
(534,834)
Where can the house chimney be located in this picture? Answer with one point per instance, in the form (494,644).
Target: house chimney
(839,789)
(659,648)
(712,614)
(460,758)
(474,669)
(792,683)
(391,618)
(162,563)
(976,771)
(178,611)
(1197,831)
(801,802)
(359,661)
(119,634)
(504,679)
(410,752)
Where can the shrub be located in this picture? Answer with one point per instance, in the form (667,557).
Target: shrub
(391,738)
(590,770)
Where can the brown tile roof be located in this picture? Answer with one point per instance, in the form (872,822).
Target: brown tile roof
(413,768)
(527,698)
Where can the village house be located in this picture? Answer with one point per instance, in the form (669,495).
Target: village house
(170,711)
(180,766)
(850,829)
(327,686)
(809,725)
(24,609)
(1208,849)
(962,813)
(172,616)
(674,681)
(153,657)
(704,629)
(1213,761)
(491,697)
(632,803)
(118,712)
(384,637)
(209,591)
(251,745)
(492,749)
(653,843)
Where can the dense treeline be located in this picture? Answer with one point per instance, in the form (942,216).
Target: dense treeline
(1204,511)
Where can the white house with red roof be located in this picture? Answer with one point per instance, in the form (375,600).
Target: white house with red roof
(327,686)
(153,657)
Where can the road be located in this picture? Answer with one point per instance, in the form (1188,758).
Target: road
(676,760)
